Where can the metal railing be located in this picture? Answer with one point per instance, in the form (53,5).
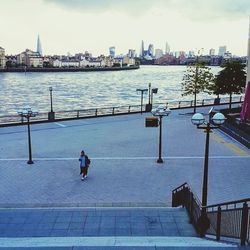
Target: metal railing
(93,112)
(229,219)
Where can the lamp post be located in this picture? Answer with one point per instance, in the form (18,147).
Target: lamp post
(141,91)
(199,120)
(27,112)
(160,111)
(153,91)
(51,114)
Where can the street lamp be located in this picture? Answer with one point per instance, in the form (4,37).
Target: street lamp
(141,91)
(27,112)
(160,111)
(51,114)
(199,120)
(153,91)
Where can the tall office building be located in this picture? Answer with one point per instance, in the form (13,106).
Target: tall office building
(150,50)
(131,53)
(112,51)
(142,49)
(222,50)
(212,52)
(39,46)
(167,49)
(158,53)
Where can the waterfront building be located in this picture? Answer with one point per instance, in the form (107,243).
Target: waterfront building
(212,52)
(131,53)
(2,58)
(222,50)
(128,60)
(112,51)
(30,58)
(191,54)
(167,48)
(227,55)
(158,53)
(11,61)
(39,46)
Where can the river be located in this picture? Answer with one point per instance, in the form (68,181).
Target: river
(82,90)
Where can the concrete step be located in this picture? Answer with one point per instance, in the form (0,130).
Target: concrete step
(106,243)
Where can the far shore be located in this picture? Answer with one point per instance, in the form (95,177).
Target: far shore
(21,70)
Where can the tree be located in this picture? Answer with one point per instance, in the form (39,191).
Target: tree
(230,80)
(196,79)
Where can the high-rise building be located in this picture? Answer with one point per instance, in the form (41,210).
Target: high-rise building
(2,58)
(142,49)
(131,53)
(212,52)
(158,53)
(167,49)
(112,51)
(39,46)
(222,50)
(150,50)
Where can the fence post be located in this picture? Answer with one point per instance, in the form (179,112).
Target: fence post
(218,226)
(244,224)
(113,111)
(179,104)
(128,109)
(96,112)
(191,207)
(203,102)
(191,104)
(240,98)
(77,114)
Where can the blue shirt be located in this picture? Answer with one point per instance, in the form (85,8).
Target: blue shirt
(82,159)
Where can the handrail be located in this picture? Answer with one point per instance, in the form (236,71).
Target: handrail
(228,203)
(223,220)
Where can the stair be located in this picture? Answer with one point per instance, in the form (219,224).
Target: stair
(101,228)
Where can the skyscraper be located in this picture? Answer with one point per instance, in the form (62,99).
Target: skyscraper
(112,51)
(142,49)
(39,46)
(222,50)
(167,49)
(150,50)
(212,52)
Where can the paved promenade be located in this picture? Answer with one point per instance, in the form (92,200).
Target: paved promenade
(123,168)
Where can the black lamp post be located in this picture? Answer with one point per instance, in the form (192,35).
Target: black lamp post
(199,120)
(142,91)
(153,91)
(51,114)
(160,112)
(27,112)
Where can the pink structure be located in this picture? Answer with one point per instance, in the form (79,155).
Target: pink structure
(245,111)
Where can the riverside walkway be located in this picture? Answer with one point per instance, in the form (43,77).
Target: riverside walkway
(122,203)
(123,168)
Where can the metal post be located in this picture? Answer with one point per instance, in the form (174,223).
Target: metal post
(244,224)
(218,224)
(149,93)
(205,174)
(51,104)
(29,142)
(141,101)
(159,160)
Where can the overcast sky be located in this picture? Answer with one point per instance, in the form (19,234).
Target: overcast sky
(95,25)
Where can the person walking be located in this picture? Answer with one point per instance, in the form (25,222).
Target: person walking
(84,164)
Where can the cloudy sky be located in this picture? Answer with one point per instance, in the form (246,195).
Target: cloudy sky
(95,25)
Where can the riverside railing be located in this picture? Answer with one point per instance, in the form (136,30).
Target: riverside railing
(94,112)
(229,219)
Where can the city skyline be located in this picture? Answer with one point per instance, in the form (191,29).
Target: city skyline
(77,26)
